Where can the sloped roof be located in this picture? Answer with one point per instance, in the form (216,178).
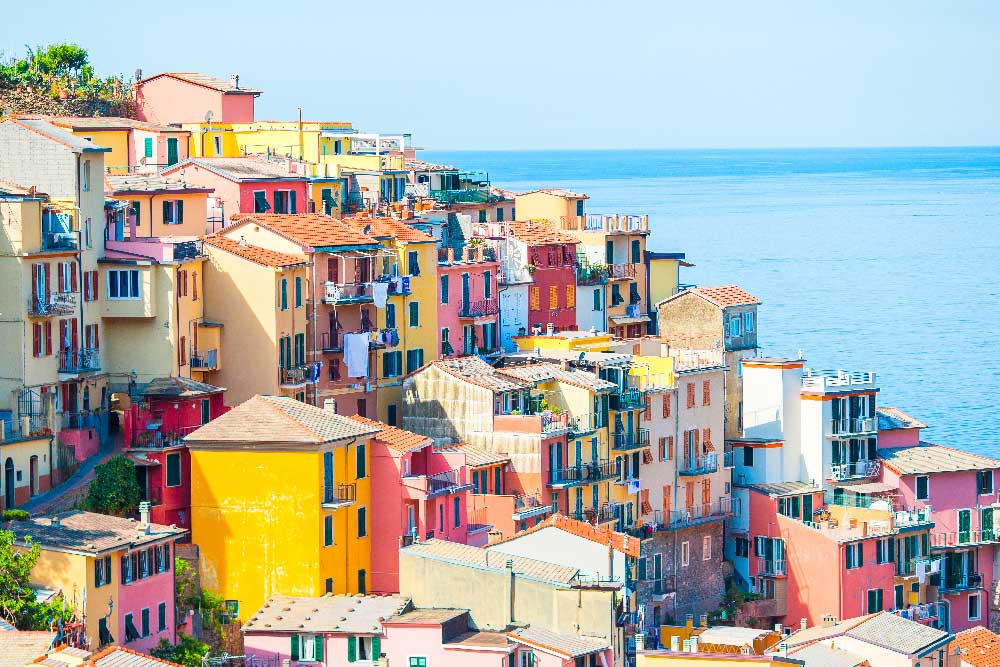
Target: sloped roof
(601,535)
(573,646)
(180,387)
(349,614)
(207,81)
(779,489)
(278,420)
(396,438)
(474,456)
(421,165)
(557,192)
(481,559)
(310,230)
(821,655)
(927,458)
(723,296)
(149,183)
(108,123)
(20,648)
(474,370)
(117,656)
(388,228)
(896,633)
(540,233)
(426,615)
(546,372)
(243,168)
(977,646)
(89,532)
(891,419)
(58,134)
(256,254)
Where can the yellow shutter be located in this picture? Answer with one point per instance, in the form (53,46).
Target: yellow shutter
(553,297)
(571,296)
(533,298)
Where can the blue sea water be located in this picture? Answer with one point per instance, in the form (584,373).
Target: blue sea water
(865,259)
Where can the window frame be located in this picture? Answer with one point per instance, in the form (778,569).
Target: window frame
(166,470)
(927,487)
(133,283)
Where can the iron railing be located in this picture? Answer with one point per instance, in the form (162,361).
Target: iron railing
(594,471)
(702,464)
(624,440)
(295,375)
(339,494)
(57,304)
(628,399)
(856,469)
(61,241)
(205,359)
(961,538)
(853,425)
(481,308)
(83,360)
(771,567)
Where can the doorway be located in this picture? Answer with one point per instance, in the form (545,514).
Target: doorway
(8,484)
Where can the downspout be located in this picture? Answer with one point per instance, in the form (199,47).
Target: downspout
(315,352)
(177,314)
(150,235)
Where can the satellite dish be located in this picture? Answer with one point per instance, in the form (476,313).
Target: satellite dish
(208,116)
(881,505)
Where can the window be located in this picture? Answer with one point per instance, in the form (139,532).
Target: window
(328,585)
(553,297)
(86,176)
(161,617)
(884,551)
(300,349)
(706,392)
(328,531)
(571,296)
(418,661)
(217,140)
(145,622)
(526,658)
(414,359)
(685,554)
(854,555)
(636,252)
(260,204)
(284,294)
(414,313)
(748,322)
(392,364)
(173,211)
(413,263)
(360,462)
(487,285)
(923,487)
(734,326)
(174,469)
(390,414)
(284,201)
(307,648)
(742,547)
(444,289)
(362,522)
(579,208)
(482,216)
(534,297)
(706,547)
(499,214)
(147,147)
(102,571)
(298,291)
(690,394)
(975,609)
(597,299)
(456,516)
(123,284)
(984,482)
(131,633)
(874,600)
(616,294)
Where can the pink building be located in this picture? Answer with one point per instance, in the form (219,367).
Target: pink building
(551,260)
(331,630)
(153,432)
(188,97)
(248,184)
(443,637)
(467,301)
(417,492)
(960,491)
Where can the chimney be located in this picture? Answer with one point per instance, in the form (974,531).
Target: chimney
(510,590)
(235,78)
(778,627)
(639,643)
(686,646)
(550,329)
(803,623)
(25,426)
(703,620)
(675,643)
(829,620)
(144,516)
(689,621)
(694,644)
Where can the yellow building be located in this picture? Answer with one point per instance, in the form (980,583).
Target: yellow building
(279,502)
(259,294)
(575,341)
(664,275)
(134,145)
(155,206)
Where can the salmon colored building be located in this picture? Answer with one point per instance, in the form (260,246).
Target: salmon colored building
(467,302)
(189,97)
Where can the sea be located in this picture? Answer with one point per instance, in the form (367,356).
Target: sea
(873,259)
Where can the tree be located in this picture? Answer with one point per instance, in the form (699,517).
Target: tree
(187,651)
(18,605)
(114,489)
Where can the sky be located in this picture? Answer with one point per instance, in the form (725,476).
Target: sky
(574,74)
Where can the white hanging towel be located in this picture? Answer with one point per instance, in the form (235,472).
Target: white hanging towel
(935,566)
(356,354)
(380,292)
(921,570)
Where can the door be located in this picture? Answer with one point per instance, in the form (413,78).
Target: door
(964,526)
(466,289)
(171,151)
(986,524)
(33,476)
(8,483)
(206,411)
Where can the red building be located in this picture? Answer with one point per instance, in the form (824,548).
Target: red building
(551,261)
(154,429)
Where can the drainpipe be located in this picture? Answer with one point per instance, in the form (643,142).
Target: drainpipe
(315,352)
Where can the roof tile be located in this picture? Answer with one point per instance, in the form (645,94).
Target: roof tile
(387,228)
(540,233)
(351,614)
(206,80)
(979,647)
(89,532)
(599,534)
(396,438)
(310,230)
(256,254)
(927,457)
(725,296)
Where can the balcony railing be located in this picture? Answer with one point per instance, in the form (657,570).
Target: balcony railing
(331,341)
(961,538)
(628,399)
(157,439)
(591,274)
(297,375)
(928,611)
(625,440)
(855,470)
(526,506)
(621,271)
(586,423)
(205,359)
(442,481)
(338,495)
(464,196)
(58,304)
(585,473)
(728,460)
(703,464)
(347,293)
(481,308)
(695,514)
(84,360)
(963,582)
(908,518)
(853,425)
(61,241)
(771,567)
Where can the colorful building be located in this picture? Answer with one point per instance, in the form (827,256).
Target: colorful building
(468,307)
(550,258)
(134,146)
(280,495)
(154,206)
(116,573)
(190,97)
(444,637)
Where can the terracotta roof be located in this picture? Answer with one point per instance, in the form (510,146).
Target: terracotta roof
(725,296)
(310,230)
(574,646)
(278,420)
(108,123)
(208,81)
(421,165)
(243,168)
(474,370)
(117,656)
(149,183)
(89,532)
(977,646)
(388,228)
(539,233)
(396,438)
(479,639)
(619,541)
(927,457)
(890,419)
(350,614)
(179,387)
(256,254)
(474,456)
(548,372)
(482,559)
(20,648)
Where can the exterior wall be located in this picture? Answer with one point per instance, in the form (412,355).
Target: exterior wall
(448,313)
(561,277)
(704,420)
(160,155)
(277,647)
(30,159)
(237,109)
(247,190)
(168,100)
(20,454)
(668,659)
(664,279)
(903,437)
(119,141)
(405,641)
(554,545)
(587,316)
(146,593)
(150,223)
(513,314)
(690,322)
(545,205)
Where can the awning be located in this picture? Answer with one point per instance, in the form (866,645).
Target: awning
(867,487)
(629,320)
(141,460)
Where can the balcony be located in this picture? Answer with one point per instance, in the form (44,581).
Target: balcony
(911,518)
(467,254)
(478,309)
(591,274)
(476,195)
(628,399)
(585,473)
(963,538)
(205,360)
(852,426)
(529,506)
(60,241)
(626,440)
(84,360)
(330,341)
(336,496)
(855,470)
(836,380)
(921,613)
(59,304)
(771,567)
(958,582)
(156,439)
(346,293)
(693,515)
(586,423)
(295,377)
(704,464)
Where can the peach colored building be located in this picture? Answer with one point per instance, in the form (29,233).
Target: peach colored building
(188,97)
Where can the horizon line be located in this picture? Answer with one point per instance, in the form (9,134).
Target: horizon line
(708,148)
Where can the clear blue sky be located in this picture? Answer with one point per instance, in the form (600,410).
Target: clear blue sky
(516,74)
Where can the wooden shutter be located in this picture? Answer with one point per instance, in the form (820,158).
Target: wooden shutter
(48,282)
(74,335)
(648,414)
(48,337)
(294,652)
(36,339)
(553,297)
(376,647)
(73,281)
(180,210)
(293,209)
(670,448)
(60,278)
(533,297)
(706,491)
(666,503)
(318,648)
(352,649)
(666,405)
(34,283)
(697,440)
(706,392)
(194,286)
(94,285)
(690,394)
(571,296)
(706,440)
(166,212)
(180,351)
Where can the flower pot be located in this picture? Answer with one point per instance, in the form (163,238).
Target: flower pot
(63,93)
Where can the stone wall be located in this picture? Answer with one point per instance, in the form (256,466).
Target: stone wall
(23,102)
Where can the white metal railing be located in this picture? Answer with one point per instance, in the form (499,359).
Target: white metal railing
(821,379)
(853,425)
(864,469)
(920,612)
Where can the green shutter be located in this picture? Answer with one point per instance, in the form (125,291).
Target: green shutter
(376,647)
(318,652)
(148,147)
(180,210)
(166,211)
(352,649)
(295,648)
(293,209)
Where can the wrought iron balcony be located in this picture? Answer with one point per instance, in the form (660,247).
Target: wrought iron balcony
(84,360)
(585,473)
(481,308)
(339,495)
(704,464)
(625,440)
